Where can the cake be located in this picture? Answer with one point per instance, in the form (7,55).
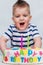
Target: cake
(23,55)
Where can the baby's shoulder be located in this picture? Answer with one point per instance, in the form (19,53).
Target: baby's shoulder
(33,25)
(12,25)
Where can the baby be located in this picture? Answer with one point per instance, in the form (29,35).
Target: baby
(21,28)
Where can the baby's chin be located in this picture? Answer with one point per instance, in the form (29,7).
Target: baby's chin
(22,28)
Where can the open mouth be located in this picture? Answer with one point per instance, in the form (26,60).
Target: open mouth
(22,24)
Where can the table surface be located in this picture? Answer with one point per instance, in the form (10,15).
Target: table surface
(18,64)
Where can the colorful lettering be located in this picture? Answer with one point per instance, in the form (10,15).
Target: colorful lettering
(30,59)
(34,53)
(6,58)
(16,53)
(25,52)
(22,59)
(40,53)
(29,52)
(35,59)
(25,60)
(39,58)
(21,52)
(23,55)
(17,59)
(12,59)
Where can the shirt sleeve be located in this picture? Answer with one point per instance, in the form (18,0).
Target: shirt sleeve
(35,32)
(8,34)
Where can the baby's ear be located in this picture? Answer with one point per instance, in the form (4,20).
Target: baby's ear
(30,17)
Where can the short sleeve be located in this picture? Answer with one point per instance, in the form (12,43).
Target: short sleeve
(8,34)
(35,32)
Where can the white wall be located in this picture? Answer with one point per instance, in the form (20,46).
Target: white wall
(6,14)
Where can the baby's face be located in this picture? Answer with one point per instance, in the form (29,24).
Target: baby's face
(21,18)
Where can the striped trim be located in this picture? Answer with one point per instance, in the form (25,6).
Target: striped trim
(23,45)
(9,30)
(22,36)
(19,41)
(33,30)
(19,32)
(7,34)
(19,36)
(35,34)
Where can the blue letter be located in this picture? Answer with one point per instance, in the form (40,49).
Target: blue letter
(39,58)
(29,52)
(22,58)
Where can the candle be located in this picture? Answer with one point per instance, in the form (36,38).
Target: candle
(28,42)
(21,41)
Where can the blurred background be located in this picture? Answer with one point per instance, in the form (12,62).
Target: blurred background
(36,7)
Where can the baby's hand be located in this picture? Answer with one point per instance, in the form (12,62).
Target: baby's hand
(36,48)
(32,47)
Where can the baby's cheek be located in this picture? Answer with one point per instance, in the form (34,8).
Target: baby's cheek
(26,20)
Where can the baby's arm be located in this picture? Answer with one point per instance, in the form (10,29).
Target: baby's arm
(38,42)
(3,41)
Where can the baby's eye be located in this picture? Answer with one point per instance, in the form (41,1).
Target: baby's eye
(25,15)
(17,16)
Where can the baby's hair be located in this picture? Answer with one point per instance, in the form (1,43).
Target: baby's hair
(21,3)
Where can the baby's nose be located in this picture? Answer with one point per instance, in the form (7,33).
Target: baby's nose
(21,18)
